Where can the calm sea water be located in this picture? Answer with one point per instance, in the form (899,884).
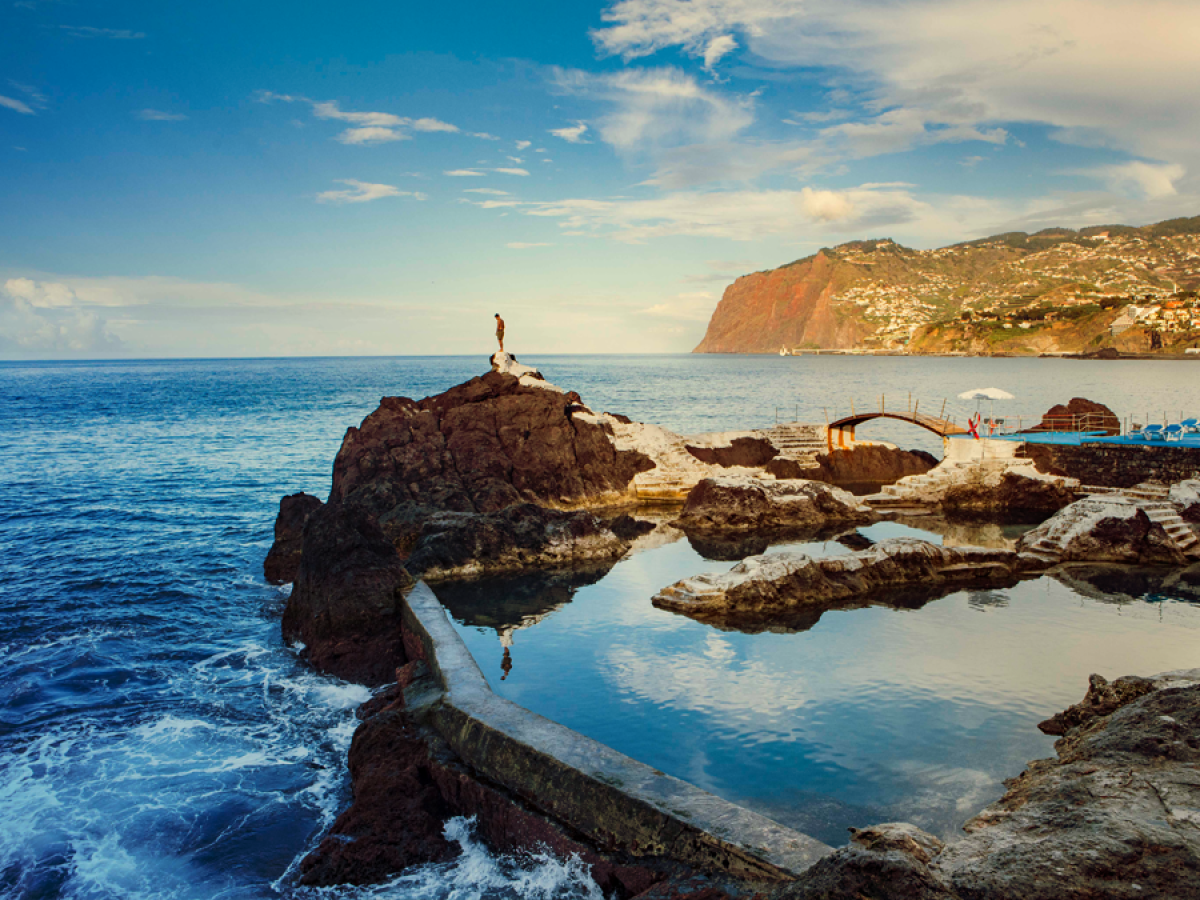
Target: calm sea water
(157,739)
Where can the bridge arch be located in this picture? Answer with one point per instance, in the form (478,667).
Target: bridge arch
(840,433)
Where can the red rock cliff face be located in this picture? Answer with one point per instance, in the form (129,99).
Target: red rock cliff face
(788,307)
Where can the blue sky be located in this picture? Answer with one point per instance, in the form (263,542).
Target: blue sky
(365,178)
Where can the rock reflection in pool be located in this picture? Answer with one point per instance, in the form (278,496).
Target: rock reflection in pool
(870,715)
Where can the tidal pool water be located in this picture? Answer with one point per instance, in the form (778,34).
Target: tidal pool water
(159,740)
(849,718)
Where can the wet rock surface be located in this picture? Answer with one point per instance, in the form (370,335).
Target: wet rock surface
(345,603)
(1113,816)
(778,584)
(751,504)
(284,556)
(871,464)
(749,452)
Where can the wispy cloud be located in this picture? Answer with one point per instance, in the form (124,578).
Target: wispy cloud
(372,134)
(511,171)
(157,115)
(464,173)
(116,34)
(17,105)
(521,145)
(363,192)
(573,134)
(368,127)
(1149,180)
(491,191)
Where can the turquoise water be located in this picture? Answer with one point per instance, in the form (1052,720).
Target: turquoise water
(158,739)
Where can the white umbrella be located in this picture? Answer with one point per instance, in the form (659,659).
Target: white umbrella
(989,394)
(985,394)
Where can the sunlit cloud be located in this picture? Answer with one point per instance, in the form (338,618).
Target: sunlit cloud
(15,105)
(574,134)
(363,192)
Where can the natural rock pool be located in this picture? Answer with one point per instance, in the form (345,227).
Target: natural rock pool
(849,718)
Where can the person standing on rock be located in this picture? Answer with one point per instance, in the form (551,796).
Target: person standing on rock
(500,331)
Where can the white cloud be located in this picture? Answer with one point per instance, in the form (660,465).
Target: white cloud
(156,115)
(511,171)
(10,103)
(521,245)
(826,206)
(371,134)
(514,159)
(573,134)
(44,318)
(491,191)
(87,31)
(696,306)
(717,48)
(484,135)
(363,192)
(1149,180)
(428,124)
(1110,73)
(521,145)
(463,173)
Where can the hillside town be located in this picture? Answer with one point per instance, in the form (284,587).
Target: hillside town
(1130,280)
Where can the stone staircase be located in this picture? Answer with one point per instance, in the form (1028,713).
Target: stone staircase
(921,491)
(800,442)
(1166,515)
(1048,552)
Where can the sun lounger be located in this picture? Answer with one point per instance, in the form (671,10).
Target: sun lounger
(1173,432)
(1190,426)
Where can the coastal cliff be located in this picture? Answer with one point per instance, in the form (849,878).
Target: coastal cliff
(1057,291)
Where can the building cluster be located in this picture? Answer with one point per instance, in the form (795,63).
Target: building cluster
(902,290)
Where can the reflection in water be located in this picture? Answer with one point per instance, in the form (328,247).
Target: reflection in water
(736,546)
(508,604)
(970,533)
(916,710)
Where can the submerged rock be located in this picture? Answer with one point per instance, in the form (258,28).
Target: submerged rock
(284,557)
(345,604)
(752,504)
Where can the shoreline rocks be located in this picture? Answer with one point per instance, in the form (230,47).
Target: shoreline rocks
(752,504)
(1103,529)
(283,559)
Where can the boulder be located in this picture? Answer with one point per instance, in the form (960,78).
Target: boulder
(1103,529)
(493,441)
(1080,415)
(345,604)
(777,583)
(284,556)
(752,504)
(1015,491)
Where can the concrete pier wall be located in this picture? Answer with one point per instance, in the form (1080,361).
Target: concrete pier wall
(617,802)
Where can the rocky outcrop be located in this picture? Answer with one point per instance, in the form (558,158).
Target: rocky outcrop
(1112,817)
(1015,491)
(1102,529)
(519,537)
(792,306)
(345,604)
(284,556)
(752,504)
(1080,414)
(775,584)
(871,464)
(496,440)
(748,452)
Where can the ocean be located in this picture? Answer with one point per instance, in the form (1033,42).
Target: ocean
(157,738)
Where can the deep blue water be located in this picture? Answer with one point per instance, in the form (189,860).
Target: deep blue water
(157,739)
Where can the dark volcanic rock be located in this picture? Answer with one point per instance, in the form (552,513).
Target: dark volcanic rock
(752,504)
(1080,415)
(479,447)
(284,556)
(749,452)
(344,606)
(518,537)
(872,464)
(397,814)
(1014,493)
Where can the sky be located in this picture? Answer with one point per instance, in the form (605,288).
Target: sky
(270,179)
